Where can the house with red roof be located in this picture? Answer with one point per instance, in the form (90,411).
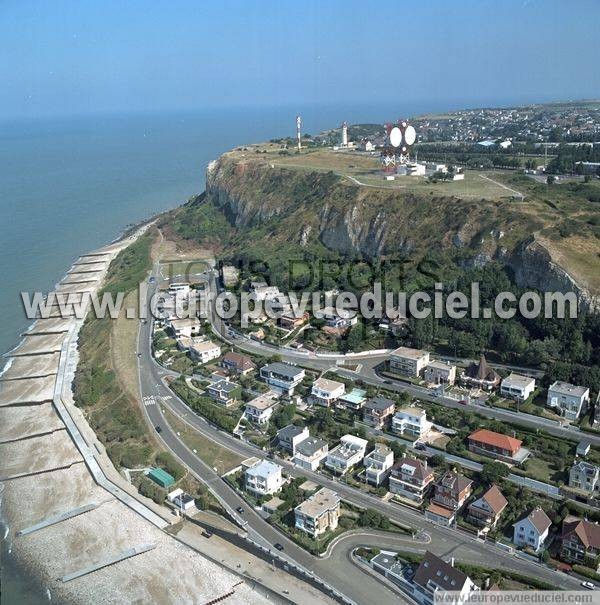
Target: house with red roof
(580,542)
(497,445)
(485,511)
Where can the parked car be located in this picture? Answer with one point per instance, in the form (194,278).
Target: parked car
(240,509)
(278,546)
(588,585)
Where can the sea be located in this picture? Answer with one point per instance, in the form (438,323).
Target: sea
(71,184)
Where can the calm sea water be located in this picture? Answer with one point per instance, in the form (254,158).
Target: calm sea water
(70,185)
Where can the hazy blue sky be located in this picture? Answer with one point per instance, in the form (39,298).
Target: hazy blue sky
(80,56)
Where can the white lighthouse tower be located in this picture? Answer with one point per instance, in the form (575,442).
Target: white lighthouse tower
(298,134)
(344,134)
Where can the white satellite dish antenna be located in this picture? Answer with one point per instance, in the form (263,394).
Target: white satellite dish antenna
(410,135)
(395,137)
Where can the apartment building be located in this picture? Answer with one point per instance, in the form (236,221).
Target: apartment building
(264,478)
(411,478)
(318,513)
(408,362)
(350,451)
(378,464)
(411,421)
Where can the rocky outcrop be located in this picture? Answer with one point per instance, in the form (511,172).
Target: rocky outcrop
(534,267)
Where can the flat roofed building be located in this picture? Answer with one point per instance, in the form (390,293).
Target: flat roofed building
(408,362)
(185,327)
(378,464)
(260,409)
(336,319)
(223,391)
(350,451)
(354,400)
(264,478)
(518,387)
(282,377)
(318,513)
(289,437)
(411,421)
(204,351)
(440,372)
(310,453)
(326,392)
(570,400)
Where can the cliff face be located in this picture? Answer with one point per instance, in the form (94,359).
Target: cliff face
(372,222)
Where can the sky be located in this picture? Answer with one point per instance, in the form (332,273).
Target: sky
(83,57)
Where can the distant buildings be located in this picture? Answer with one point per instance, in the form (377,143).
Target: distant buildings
(485,511)
(318,513)
(568,399)
(411,421)
(408,362)
(260,409)
(440,372)
(378,464)
(350,451)
(378,411)
(497,445)
(326,392)
(264,478)
(532,530)
(480,376)
(411,478)
(282,377)
(517,387)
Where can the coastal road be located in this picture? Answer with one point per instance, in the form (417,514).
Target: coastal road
(444,540)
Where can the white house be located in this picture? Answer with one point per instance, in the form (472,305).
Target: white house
(290,436)
(282,377)
(318,513)
(568,399)
(408,362)
(326,392)
(310,453)
(204,351)
(350,451)
(264,478)
(440,372)
(378,464)
(585,477)
(186,327)
(517,387)
(260,409)
(532,530)
(411,421)
(181,500)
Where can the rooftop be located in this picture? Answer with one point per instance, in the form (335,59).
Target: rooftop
(320,502)
(495,439)
(495,499)
(565,388)
(412,411)
(283,369)
(356,396)
(205,345)
(409,353)
(442,574)
(587,532)
(310,446)
(539,519)
(327,385)
(290,431)
(518,380)
(223,385)
(379,403)
(265,468)
(263,401)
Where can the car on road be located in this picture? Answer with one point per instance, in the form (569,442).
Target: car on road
(278,546)
(240,509)
(207,533)
(158,429)
(151,279)
(420,446)
(387,382)
(139,354)
(588,585)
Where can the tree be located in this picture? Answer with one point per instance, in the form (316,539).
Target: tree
(550,179)
(493,472)
(437,460)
